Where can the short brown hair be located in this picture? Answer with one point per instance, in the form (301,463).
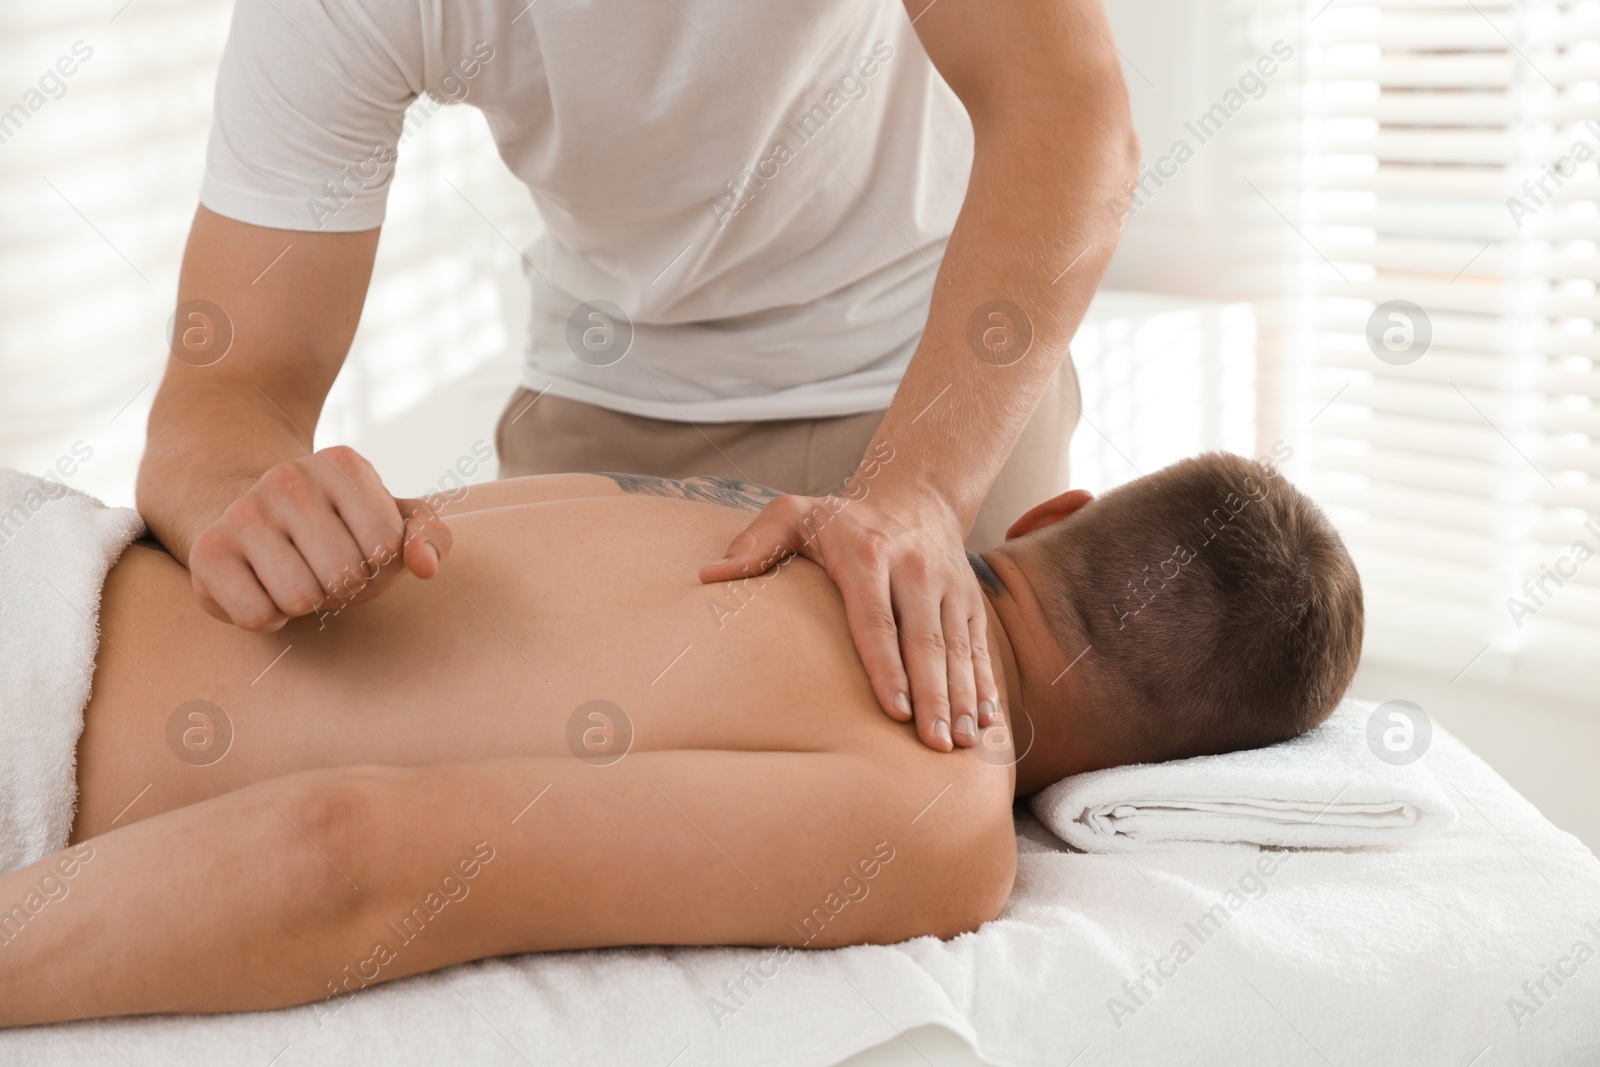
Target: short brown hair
(1219,608)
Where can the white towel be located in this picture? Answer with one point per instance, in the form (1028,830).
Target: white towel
(1325,789)
(56,545)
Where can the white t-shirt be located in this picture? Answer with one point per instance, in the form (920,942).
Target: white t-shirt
(763,189)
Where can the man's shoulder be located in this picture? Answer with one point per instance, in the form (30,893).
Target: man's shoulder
(947,815)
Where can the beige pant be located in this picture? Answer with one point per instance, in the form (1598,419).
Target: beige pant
(806,456)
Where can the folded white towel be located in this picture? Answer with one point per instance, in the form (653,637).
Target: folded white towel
(1324,789)
(56,545)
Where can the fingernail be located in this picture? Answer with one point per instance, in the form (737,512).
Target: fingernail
(721,561)
(434,551)
(941,730)
(901,704)
(986,708)
(965,724)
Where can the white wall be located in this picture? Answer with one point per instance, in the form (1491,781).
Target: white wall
(1174,64)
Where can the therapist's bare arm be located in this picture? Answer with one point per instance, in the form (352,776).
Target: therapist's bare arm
(230,483)
(1053,144)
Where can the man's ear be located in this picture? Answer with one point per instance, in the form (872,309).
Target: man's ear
(1051,511)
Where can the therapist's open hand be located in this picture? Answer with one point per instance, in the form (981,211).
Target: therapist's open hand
(319,533)
(916,613)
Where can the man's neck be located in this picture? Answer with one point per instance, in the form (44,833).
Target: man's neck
(1034,732)
(1002,657)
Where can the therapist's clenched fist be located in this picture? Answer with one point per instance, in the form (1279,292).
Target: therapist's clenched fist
(315,534)
(916,614)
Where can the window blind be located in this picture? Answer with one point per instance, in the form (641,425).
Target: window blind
(1438,318)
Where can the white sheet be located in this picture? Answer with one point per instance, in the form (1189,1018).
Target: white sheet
(1403,955)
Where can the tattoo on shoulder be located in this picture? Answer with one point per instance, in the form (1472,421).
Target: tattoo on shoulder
(729,492)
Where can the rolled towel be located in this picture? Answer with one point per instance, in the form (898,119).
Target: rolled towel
(1327,788)
(56,545)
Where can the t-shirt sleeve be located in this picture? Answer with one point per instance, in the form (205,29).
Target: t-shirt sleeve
(310,104)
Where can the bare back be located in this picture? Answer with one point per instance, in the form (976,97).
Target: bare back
(568,620)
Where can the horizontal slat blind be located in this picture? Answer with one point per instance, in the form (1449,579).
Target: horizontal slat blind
(1464,470)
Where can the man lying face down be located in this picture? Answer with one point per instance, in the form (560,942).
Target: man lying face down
(565,740)
(1214,607)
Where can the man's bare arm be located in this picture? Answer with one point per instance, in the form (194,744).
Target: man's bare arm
(320,883)
(230,483)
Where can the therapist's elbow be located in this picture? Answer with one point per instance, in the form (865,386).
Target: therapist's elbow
(1085,114)
(1103,94)
(1115,141)
(1128,159)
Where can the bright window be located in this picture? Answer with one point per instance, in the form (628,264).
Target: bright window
(1440,324)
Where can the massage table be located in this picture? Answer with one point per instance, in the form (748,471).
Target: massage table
(1414,954)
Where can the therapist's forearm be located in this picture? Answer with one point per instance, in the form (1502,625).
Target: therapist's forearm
(1035,231)
(207,444)
(288,303)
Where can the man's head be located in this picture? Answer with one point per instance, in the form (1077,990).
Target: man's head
(1207,607)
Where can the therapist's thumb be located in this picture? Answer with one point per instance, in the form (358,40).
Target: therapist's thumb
(427,538)
(773,535)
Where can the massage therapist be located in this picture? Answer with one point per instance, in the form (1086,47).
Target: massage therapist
(788,243)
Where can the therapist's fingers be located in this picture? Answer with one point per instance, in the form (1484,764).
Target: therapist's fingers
(230,592)
(285,574)
(300,546)
(924,649)
(420,546)
(427,538)
(982,668)
(373,522)
(230,585)
(341,522)
(869,610)
(963,687)
(384,528)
